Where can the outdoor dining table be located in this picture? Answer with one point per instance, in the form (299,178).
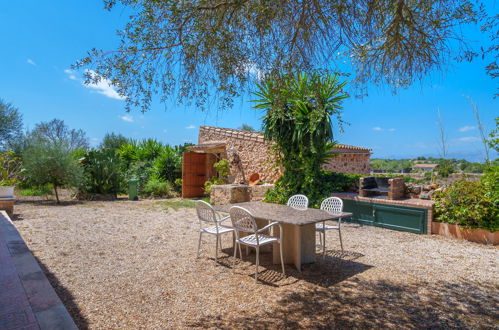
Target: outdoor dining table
(298,228)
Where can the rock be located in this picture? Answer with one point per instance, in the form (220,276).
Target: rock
(433,186)
(414,189)
(425,196)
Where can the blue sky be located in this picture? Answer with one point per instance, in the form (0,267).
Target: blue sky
(41,39)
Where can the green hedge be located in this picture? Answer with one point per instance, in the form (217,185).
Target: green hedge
(471,204)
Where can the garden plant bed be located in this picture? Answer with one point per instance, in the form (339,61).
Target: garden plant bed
(475,235)
(126,264)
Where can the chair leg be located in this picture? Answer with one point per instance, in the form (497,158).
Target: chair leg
(216,249)
(341,241)
(240,252)
(320,238)
(199,243)
(282,259)
(220,241)
(257,263)
(324,245)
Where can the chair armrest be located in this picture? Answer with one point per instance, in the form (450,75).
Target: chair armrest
(268,226)
(223,219)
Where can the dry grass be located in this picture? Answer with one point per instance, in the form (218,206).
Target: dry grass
(132,265)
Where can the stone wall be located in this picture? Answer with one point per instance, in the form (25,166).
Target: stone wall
(357,163)
(257,156)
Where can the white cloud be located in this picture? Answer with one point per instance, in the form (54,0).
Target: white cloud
(127,118)
(190,127)
(467,128)
(379,129)
(70,73)
(30,61)
(104,87)
(469,139)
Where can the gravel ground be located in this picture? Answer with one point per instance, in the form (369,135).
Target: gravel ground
(132,265)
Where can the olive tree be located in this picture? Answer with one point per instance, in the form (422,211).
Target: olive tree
(10,123)
(51,163)
(194,50)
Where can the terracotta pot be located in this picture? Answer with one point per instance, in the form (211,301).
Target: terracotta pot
(6,191)
(254,179)
(474,235)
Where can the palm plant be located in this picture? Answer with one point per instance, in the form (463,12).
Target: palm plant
(298,115)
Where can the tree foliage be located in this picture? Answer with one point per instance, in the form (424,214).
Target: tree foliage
(46,162)
(56,132)
(113,141)
(298,115)
(193,49)
(102,171)
(11,123)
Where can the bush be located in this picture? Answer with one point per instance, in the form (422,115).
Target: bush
(40,191)
(10,166)
(213,181)
(328,183)
(102,172)
(157,188)
(142,172)
(470,204)
(168,165)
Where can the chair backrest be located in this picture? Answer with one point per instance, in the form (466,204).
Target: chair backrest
(242,219)
(332,205)
(205,212)
(299,202)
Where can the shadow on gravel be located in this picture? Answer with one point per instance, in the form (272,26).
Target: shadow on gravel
(66,297)
(373,304)
(48,202)
(336,267)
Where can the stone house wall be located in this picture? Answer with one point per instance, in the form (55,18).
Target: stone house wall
(257,156)
(357,163)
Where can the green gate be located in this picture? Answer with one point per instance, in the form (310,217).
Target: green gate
(396,217)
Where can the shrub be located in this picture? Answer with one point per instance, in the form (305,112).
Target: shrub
(211,182)
(168,165)
(328,183)
(141,171)
(102,172)
(40,191)
(157,188)
(10,166)
(223,170)
(470,204)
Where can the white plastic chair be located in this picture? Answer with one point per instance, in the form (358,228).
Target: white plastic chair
(332,205)
(242,220)
(210,223)
(299,202)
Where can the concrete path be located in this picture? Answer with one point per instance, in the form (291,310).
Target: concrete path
(27,300)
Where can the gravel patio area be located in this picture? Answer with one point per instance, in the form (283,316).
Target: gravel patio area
(131,265)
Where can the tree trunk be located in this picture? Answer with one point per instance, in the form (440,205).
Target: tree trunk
(56,194)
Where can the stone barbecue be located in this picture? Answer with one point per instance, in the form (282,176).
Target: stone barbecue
(392,188)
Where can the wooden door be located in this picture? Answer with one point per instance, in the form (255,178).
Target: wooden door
(193,174)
